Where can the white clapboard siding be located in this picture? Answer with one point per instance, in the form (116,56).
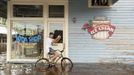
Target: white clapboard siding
(118,48)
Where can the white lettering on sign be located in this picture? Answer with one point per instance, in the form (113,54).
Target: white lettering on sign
(100,29)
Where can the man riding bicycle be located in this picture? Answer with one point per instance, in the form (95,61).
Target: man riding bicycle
(54,56)
(49,43)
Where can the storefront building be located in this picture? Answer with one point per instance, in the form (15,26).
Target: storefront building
(3,17)
(109,25)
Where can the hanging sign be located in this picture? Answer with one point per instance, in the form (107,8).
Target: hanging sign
(100,29)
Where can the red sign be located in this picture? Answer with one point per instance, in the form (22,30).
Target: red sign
(100,29)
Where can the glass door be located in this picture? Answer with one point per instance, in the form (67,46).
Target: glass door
(57,28)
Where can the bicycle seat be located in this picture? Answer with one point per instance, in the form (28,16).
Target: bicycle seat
(61,51)
(50,53)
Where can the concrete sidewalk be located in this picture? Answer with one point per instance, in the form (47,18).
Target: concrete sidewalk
(103,69)
(82,69)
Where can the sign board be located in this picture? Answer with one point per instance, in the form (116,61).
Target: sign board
(100,29)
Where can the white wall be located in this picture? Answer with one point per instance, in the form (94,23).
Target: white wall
(119,48)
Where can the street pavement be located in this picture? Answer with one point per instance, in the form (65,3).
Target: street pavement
(78,69)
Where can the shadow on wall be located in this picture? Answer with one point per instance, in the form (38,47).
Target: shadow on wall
(114,1)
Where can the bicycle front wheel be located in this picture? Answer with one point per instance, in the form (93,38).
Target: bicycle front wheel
(66,64)
(42,64)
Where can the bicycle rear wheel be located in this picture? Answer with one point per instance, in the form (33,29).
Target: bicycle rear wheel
(42,64)
(66,64)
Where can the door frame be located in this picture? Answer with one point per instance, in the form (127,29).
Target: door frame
(58,20)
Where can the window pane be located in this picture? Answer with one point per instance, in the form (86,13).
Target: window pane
(27,39)
(27,10)
(56,11)
(57,29)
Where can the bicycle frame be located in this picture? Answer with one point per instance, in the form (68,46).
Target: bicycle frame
(58,58)
(49,64)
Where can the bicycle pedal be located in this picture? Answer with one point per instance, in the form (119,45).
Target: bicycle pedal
(51,65)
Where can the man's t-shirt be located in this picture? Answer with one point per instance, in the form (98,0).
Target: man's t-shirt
(48,44)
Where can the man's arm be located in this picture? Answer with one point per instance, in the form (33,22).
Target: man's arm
(56,39)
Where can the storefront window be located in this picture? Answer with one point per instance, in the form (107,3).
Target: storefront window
(27,42)
(56,11)
(27,10)
(57,29)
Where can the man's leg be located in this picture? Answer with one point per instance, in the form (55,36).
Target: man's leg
(55,56)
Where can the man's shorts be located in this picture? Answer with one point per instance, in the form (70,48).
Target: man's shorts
(51,51)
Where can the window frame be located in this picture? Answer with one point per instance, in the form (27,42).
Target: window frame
(56,16)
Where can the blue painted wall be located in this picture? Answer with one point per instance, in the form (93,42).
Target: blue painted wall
(119,48)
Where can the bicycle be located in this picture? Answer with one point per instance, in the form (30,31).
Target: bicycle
(43,64)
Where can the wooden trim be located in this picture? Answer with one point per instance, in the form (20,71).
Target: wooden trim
(27,19)
(66,31)
(8,33)
(45,26)
(39,0)
(56,20)
(28,1)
